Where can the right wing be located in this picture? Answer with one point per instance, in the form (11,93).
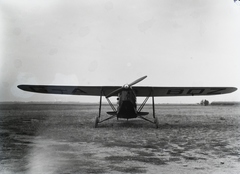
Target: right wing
(142,91)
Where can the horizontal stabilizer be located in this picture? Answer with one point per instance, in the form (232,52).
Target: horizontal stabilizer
(113,113)
(142,113)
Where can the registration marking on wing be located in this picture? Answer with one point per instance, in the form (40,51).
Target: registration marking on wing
(196,91)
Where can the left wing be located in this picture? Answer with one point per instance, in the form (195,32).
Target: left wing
(141,91)
(69,90)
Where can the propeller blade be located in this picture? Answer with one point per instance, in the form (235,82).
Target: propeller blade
(136,81)
(114,92)
(125,87)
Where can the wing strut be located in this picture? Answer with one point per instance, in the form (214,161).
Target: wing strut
(110,103)
(97,120)
(143,104)
(99,113)
(153,106)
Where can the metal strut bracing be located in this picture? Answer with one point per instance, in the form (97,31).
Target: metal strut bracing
(143,104)
(99,112)
(107,118)
(110,103)
(100,106)
(153,106)
(146,119)
(139,110)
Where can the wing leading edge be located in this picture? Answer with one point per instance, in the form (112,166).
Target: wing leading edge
(141,91)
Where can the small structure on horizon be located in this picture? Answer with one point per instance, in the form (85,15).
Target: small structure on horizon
(204,102)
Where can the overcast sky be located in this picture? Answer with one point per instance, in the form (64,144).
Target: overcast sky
(102,42)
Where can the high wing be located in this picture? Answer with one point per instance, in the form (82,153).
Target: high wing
(141,91)
(69,90)
(181,91)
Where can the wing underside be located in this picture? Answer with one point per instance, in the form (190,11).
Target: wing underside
(69,90)
(141,91)
(182,91)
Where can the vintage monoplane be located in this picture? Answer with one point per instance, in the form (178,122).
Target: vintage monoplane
(126,96)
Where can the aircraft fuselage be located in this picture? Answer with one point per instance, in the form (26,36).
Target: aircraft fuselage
(127,107)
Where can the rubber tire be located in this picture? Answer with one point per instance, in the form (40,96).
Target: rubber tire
(96,122)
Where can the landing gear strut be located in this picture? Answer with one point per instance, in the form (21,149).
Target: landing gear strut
(99,113)
(155,119)
(114,113)
(156,122)
(97,119)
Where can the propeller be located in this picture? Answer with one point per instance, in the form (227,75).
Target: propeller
(136,81)
(126,86)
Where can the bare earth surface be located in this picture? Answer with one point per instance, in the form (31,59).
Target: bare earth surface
(61,139)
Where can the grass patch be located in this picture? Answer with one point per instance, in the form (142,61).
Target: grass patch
(143,153)
(150,160)
(128,169)
(192,158)
(174,159)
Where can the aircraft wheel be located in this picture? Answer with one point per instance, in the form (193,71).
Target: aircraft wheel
(156,122)
(96,122)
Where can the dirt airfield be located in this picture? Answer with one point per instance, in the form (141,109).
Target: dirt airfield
(60,138)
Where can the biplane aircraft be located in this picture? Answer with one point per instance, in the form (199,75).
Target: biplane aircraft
(126,96)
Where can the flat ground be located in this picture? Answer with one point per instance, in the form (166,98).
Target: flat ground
(61,139)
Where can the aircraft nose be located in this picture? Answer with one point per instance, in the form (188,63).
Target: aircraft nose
(126,86)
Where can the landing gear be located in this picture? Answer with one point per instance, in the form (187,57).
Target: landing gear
(155,119)
(99,113)
(97,119)
(96,122)
(138,113)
